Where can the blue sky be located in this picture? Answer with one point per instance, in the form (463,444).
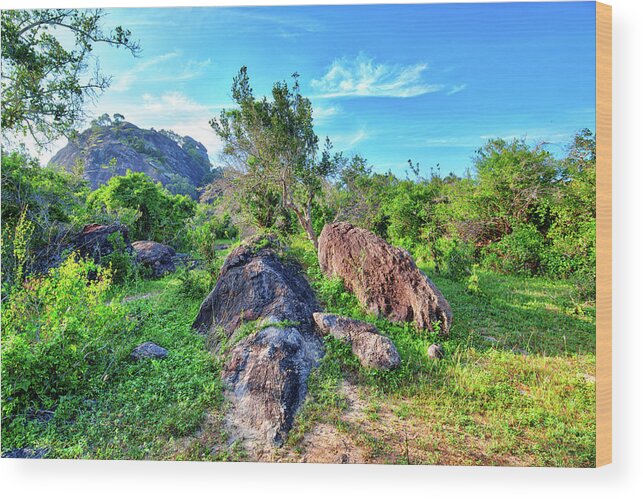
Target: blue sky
(430,82)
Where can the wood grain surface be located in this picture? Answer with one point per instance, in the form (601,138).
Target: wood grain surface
(603,234)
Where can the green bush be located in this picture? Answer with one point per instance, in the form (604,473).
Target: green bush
(195,284)
(453,258)
(161,216)
(58,336)
(518,253)
(121,261)
(40,208)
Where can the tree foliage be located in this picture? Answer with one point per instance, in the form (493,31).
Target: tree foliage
(40,207)
(273,151)
(159,215)
(519,211)
(45,83)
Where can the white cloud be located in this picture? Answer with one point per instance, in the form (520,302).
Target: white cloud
(173,103)
(155,68)
(457,88)
(362,77)
(323,113)
(199,130)
(349,140)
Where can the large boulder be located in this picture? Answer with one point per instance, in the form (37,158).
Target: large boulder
(96,241)
(266,382)
(268,361)
(373,349)
(384,279)
(255,283)
(177,162)
(155,256)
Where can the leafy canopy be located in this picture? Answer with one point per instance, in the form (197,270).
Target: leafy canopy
(44,81)
(159,215)
(273,149)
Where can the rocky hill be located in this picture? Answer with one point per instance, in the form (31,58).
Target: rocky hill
(111,148)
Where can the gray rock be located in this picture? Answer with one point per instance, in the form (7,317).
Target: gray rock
(155,256)
(94,241)
(373,349)
(266,372)
(148,350)
(254,283)
(265,381)
(435,351)
(167,158)
(384,279)
(26,453)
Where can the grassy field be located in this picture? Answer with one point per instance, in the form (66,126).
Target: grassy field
(516,386)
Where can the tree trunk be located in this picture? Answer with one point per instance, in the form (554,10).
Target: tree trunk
(305,220)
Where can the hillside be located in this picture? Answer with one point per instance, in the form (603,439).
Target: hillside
(109,149)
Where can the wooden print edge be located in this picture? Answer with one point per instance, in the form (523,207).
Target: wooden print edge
(603,234)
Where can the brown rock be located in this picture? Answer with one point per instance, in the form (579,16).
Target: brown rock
(155,256)
(384,279)
(373,349)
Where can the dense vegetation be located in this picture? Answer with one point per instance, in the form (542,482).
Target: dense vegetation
(511,244)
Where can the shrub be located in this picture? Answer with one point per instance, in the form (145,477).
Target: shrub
(121,261)
(519,252)
(58,336)
(473,282)
(161,216)
(40,207)
(196,284)
(453,258)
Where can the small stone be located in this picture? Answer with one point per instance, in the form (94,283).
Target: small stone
(435,351)
(148,350)
(25,453)
(373,349)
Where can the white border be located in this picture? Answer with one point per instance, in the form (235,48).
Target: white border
(68,479)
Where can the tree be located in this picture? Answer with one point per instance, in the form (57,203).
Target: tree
(513,182)
(272,147)
(44,83)
(161,216)
(103,120)
(573,231)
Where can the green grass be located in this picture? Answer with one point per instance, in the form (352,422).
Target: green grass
(515,387)
(143,408)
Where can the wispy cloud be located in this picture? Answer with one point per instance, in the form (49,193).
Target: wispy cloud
(361,76)
(323,114)
(457,88)
(349,140)
(155,68)
(171,103)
